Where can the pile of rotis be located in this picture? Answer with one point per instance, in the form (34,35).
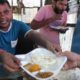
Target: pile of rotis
(44,58)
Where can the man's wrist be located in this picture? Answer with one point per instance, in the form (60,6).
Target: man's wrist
(78,61)
(1,55)
(2,51)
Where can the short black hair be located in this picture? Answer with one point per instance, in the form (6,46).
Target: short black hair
(5,1)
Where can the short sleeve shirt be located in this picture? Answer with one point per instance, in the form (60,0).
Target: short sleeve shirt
(45,13)
(8,39)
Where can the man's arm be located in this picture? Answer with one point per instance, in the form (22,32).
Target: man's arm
(45,22)
(42,41)
(38,24)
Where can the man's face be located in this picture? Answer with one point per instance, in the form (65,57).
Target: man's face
(5,16)
(60,6)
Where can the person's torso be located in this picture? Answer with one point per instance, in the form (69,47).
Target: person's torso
(51,35)
(9,39)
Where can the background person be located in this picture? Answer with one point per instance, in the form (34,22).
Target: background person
(54,15)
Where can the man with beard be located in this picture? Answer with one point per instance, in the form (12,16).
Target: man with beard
(54,15)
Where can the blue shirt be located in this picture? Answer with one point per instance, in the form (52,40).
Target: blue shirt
(8,41)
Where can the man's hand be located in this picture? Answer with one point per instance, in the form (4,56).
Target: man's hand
(72,61)
(42,41)
(54,48)
(10,62)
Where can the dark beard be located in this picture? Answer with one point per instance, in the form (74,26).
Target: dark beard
(58,11)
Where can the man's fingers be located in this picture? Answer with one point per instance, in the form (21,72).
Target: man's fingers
(10,69)
(12,65)
(16,60)
(65,67)
(69,65)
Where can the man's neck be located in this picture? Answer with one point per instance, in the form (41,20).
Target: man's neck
(6,29)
